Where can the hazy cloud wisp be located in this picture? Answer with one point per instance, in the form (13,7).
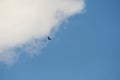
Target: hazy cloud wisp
(22,21)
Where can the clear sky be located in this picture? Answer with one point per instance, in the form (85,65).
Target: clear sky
(85,48)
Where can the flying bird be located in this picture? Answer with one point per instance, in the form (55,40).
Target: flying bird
(49,38)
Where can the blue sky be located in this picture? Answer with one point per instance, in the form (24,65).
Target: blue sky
(86,48)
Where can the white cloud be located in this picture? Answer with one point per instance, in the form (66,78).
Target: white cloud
(22,21)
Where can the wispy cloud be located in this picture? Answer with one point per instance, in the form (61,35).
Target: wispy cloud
(25,21)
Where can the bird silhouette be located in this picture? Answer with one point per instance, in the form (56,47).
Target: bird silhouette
(49,38)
